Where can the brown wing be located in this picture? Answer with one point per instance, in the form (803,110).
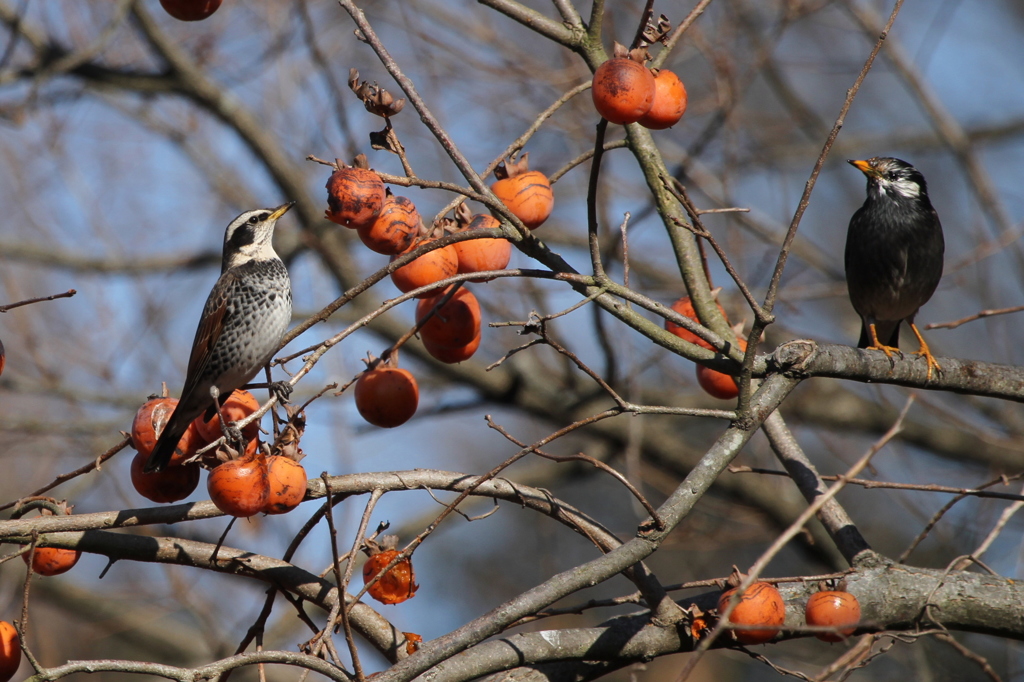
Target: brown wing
(210,327)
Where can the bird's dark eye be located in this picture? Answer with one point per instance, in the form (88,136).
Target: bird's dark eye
(264,216)
(253,220)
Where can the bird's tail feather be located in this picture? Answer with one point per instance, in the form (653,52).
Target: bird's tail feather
(165,444)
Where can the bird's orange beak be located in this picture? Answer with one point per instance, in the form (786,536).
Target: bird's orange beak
(862,165)
(281,210)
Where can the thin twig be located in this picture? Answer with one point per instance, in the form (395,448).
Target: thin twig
(11,306)
(976,316)
(94,465)
(922,487)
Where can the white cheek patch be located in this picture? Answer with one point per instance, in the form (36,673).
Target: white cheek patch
(907,188)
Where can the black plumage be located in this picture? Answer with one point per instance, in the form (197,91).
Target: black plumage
(894,250)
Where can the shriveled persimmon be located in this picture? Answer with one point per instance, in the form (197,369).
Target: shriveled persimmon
(239,405)
(835,609)
(669,102)
(174,483)
(527,193)
(719,384)
(431,267)
(287,480)
(480,255)
(412,642)
(395,586)
(240,487)
(623,88)
(355,195)
(395,228)
(387,396)
(453,354)
(684,306)
(10,650)
(190,10)
(762,606)
(454,324)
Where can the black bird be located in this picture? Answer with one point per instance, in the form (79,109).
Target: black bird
(243,321)
(894,250)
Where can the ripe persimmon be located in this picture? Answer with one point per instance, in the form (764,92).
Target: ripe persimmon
(684,306)
(387,396)
(240,487)
(669,103)
(3,357)
(10,650)
(453,354)
(52,560)
(623,89)
(287,479)
(190,10)
(395,586)
(174,483)
(719,384)
(480,255)
(395,228)
(833,608)
(527,193)
(355,195)
(431,267)
(760,605)
(239,405)
(454,324)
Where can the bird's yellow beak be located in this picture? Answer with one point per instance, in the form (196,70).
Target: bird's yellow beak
(282,209)
(862,165)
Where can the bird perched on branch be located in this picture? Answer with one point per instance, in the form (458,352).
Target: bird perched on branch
(242,324)
(894,250)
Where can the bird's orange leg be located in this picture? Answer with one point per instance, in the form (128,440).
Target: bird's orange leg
(878,345)
(926,352)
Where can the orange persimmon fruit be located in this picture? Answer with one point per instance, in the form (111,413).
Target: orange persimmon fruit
(395,586)
(623,90)
(684,306)
(431,267)
(239,405)
(527,193)
(355,195)
(10,650)
(387,396)
(395,228)
(240,487)
(52,560)
(174,483)
(761,605)
(719,384)
(836,609)
(453,354)
(480,255)
(454,324)
(287,480)
(669,103)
